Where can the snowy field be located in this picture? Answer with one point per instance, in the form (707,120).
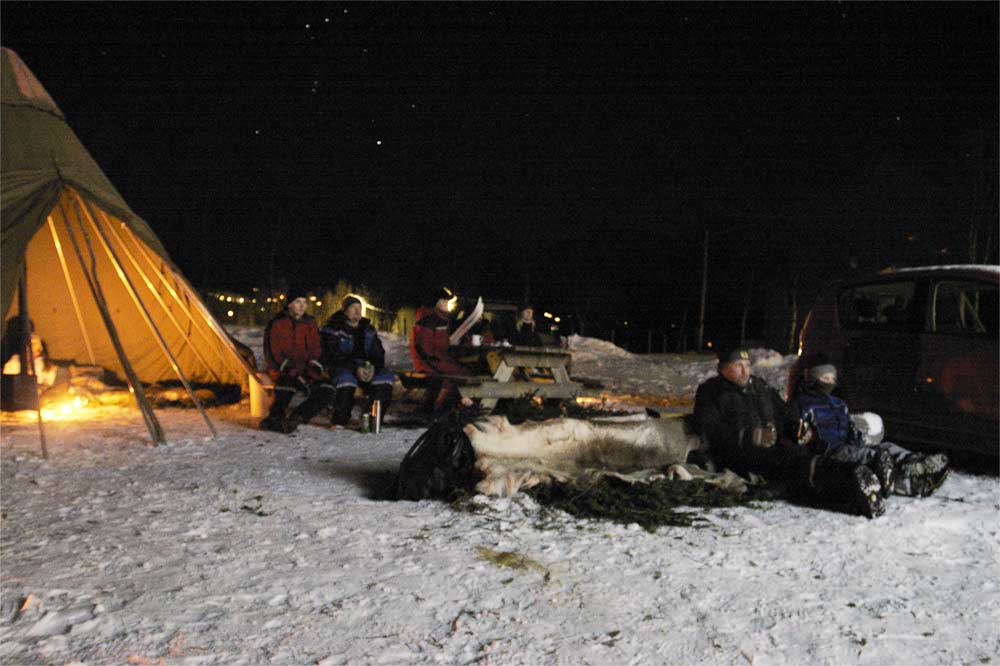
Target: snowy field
(264,548)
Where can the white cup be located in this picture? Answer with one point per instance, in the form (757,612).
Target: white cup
(477,340)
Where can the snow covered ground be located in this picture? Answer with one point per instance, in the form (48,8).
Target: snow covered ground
(264,548)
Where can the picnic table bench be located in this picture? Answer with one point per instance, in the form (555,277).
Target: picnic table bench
(507,372)
(516,372)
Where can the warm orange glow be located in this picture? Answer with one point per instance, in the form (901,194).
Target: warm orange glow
(64,410)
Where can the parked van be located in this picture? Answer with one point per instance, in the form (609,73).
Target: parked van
(917,346)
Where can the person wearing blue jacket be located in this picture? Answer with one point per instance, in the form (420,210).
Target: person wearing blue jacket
(355,358)
(834,434)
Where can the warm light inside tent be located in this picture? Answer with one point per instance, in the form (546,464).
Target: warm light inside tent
(66,409)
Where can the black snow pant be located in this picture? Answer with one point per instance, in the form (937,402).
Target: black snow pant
(825,479)
(320,395)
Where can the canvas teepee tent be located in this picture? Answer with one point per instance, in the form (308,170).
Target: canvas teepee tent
(101,289)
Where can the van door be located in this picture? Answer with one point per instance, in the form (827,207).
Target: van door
(881,325)
(957,380)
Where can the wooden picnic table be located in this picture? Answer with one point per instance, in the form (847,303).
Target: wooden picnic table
(514,372)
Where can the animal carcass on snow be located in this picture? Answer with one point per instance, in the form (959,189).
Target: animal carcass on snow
(511,457)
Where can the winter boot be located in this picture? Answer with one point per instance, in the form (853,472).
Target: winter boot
(342,404)
(290,424)
(855,487)
(885,469)
(919,475)
(270,423)
(868,498)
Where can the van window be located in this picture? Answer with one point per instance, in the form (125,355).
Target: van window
(964,308)
(883,306)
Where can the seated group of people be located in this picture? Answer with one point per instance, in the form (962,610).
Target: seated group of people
(809,444)
(331,362)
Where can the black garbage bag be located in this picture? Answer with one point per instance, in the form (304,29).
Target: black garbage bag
(439,465)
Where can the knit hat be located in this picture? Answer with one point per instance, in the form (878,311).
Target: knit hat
(818,371)
(437,294)
(349,301)
(730,354)
(295,292)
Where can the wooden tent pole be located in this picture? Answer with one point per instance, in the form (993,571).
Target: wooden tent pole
(28,354)
(159,299)
(220,337)
(152,423)
(72,291)
(127,281)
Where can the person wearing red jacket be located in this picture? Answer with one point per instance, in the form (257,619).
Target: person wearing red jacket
(292,353)
(429,350)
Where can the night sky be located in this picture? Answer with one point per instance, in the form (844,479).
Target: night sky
(587,147)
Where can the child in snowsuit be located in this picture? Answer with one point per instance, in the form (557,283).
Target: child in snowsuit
(835,435)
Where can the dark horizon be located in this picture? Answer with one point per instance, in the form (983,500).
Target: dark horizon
(586,148)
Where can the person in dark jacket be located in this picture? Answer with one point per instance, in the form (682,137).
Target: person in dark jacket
(429,350)
(292,353)
(750,430)
(355,358)
(835,435)
(525,334)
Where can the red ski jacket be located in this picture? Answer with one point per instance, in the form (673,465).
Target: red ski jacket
(291,348)
(429,345)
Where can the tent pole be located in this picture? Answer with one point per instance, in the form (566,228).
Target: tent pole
(113,256)
(146,409)
(72,292)
(28,354)
(219,338)
(159,299)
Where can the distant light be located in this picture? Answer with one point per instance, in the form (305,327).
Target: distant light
(240,300)
(319,303)
(312,298)
(378,142)
(221,297)
(557,320)
(709,344)
(229,299)
(229,314)
(253,300)
(547,315)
